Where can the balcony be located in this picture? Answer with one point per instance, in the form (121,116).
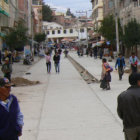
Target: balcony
(36,2)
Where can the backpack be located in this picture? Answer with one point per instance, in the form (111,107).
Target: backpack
(6,68)
(111,69)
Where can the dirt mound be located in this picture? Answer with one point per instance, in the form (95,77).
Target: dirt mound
(19,81)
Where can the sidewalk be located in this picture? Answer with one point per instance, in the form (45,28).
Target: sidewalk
(109,98)
(19,69)
(64,107)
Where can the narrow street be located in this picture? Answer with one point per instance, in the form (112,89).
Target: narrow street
(64,107)
(96,43)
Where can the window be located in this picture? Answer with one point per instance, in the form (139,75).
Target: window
(53,32)
(71,31)
(96,13)
(110,4)
(48,32)
(135,3)
(6,1)
(59,31)
(65,31)
(96,2)
(82,30)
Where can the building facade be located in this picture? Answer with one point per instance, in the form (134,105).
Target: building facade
(97,15)
(129,10)
(56,32)
(37,10)
(23,10)
(13,8)
(4,18)
(109,7)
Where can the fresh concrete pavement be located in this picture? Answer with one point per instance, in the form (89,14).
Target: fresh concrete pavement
(109,98)
(64,107)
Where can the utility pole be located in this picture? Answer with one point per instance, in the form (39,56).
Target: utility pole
(86,27)
(32,30)
(117,28)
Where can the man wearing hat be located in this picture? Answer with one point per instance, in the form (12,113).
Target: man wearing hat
(129,108)
(11,119)
(7,69)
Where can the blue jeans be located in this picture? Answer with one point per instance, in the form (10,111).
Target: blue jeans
(48,67)
(57,67)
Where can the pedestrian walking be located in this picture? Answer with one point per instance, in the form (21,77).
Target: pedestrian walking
(59,51)
(133,60)
(48,62)
(120,62)
(95,51)
(78,52)
(66,53)
(56,59)
(129,108)
(7,69)
(106,76)
(11,118)
(101,52)
(87,52)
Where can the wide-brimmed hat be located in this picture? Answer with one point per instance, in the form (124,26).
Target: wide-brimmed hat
(4,82)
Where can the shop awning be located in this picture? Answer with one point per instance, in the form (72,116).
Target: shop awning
(2,34)
(100,43)
(67,40)
(3,12)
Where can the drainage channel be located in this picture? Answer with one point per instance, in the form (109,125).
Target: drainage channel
(89,78)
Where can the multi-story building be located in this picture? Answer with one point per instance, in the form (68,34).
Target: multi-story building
(59,18)
(109,7)
(4,18)
(63,19)
(23,10)
(97,15)
(129,10)
(13,8)
(56,32)
(37,9)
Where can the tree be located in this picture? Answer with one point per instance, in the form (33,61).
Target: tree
(108,29)
(40,37)
(69,13)
(132,34)
(17,37)
(47,13)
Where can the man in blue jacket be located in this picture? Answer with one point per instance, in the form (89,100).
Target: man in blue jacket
(11,119)
(120,62)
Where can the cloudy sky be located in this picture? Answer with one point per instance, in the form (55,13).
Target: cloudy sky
(74,5)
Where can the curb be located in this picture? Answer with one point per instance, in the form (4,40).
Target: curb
(72,59)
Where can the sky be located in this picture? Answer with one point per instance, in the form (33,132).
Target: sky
(74,5)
